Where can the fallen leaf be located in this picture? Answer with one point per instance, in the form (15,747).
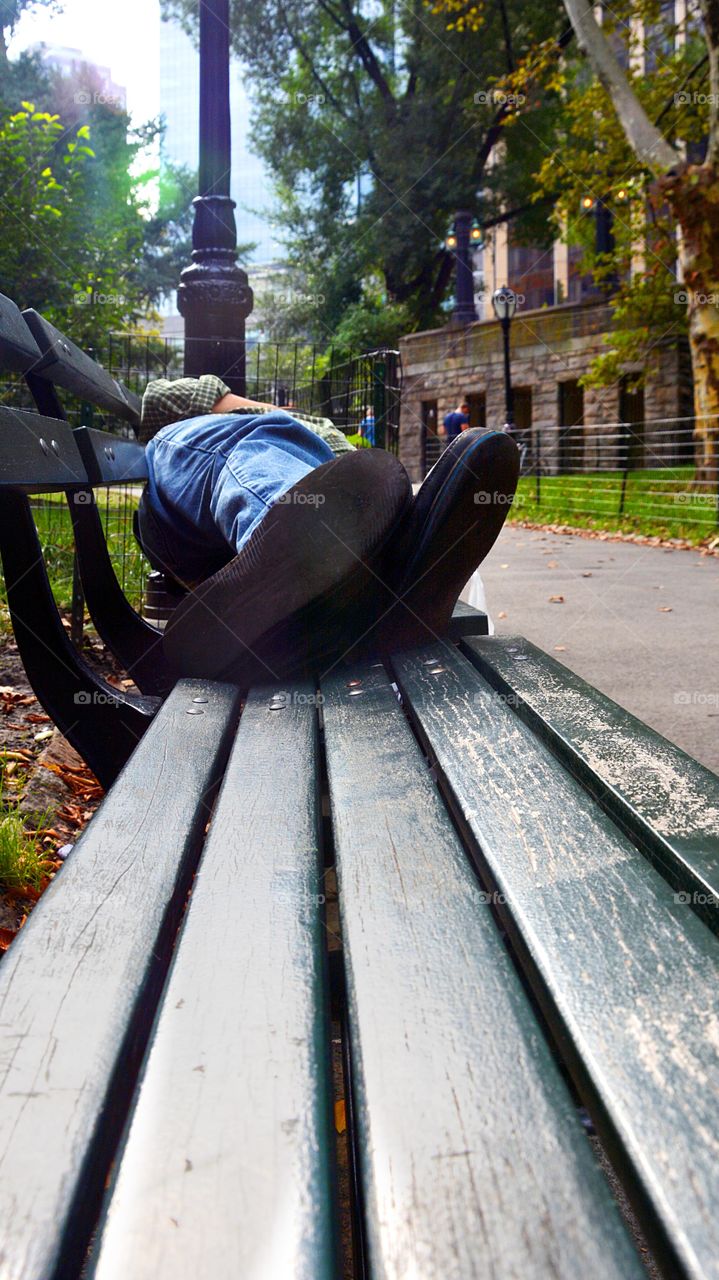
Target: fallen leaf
(43,735)
(560,648)
(665,608)
(502,614)
(551,564)
(504,566)
(6,937)
(34,717)
(586,575)
(556,599)
(340,1116)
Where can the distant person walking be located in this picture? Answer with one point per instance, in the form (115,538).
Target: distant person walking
(366,427)
(455,422)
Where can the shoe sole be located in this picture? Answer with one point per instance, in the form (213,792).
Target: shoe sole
(260,616)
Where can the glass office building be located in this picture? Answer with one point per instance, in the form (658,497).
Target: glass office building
(251,187)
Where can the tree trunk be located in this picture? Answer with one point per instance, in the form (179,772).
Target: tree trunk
(693,193)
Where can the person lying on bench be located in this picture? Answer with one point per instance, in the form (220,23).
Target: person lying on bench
(296,549)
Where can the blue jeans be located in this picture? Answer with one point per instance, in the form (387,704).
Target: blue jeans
(211,482)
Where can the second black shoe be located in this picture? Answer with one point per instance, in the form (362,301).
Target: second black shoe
(453,523)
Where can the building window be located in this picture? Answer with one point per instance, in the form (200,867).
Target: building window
(571,426)
(631,417)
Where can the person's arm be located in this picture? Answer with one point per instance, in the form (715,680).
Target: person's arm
(229,402)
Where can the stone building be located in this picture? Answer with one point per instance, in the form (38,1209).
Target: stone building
(566,427)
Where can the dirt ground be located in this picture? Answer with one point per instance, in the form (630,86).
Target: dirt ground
(42,776)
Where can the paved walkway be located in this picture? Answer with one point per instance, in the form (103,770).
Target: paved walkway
(639,622)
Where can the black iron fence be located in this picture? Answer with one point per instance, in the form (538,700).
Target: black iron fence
(662,472)
(360,392)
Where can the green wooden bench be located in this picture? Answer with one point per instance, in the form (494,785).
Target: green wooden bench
(527,901)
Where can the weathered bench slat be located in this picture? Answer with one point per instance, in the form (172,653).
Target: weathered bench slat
(80,984)
(70,367)
(666,801)
(37,454)
(111,459)
(18,348)
(472,1155)
(626,975)
(226,1170)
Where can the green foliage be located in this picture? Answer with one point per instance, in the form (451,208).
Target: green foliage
(398,105)
(80,237)
(588,156)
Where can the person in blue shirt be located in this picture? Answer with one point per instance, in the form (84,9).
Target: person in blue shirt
(366,427)
(455,422)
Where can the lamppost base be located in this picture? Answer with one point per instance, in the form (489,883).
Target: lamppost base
(215,299)
(214,296)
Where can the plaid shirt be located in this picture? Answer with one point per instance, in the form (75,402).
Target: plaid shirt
(168,401)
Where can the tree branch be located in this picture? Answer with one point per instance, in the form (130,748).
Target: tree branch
(507,36)
(491,138)
(645,140)
(366,53)
(710,18)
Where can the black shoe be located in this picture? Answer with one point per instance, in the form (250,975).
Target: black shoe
(299,591)
(454,522)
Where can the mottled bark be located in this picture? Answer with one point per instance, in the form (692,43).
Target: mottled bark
(693,193)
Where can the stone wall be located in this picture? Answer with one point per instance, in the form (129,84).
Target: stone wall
(548,346)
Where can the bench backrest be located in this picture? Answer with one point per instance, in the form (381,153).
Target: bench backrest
(31,345)
(67,365)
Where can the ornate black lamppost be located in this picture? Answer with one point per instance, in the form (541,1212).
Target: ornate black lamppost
(465,233)
(504,301)
(214,296)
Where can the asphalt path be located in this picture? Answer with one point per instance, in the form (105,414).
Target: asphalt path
(639,622)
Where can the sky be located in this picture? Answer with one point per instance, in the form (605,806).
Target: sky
(120,34)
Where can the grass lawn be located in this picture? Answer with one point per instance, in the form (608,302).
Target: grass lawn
(54,527)
(660,502)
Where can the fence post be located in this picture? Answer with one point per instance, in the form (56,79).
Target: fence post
(379,402)
(77,614)
(538,465)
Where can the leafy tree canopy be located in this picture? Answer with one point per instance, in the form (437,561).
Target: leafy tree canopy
(384,97)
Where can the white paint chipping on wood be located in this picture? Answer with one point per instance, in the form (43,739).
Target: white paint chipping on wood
(226,1170)
(70,982)
(628,973)
(473,1161)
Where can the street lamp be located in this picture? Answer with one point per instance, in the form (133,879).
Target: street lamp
(504,301)
(214,296)
(465,232)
